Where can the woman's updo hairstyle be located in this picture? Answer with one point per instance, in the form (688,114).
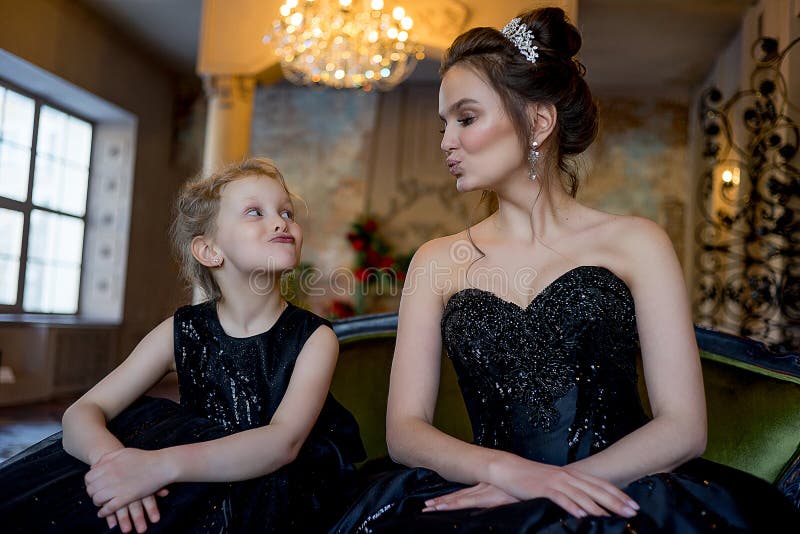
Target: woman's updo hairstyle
(556,78)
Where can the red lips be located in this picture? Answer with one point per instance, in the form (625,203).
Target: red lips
(454,166)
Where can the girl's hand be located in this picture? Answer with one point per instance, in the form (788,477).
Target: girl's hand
(135,513)
(126,475)
(574,491)
(483,495)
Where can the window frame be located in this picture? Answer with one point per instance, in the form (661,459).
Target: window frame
(27,207)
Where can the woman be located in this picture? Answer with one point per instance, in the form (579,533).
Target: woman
(543,308)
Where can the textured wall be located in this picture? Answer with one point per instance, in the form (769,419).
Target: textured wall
(320,140)
(349,153)
(638,165)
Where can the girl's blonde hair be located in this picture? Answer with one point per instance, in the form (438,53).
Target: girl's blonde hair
(196,212)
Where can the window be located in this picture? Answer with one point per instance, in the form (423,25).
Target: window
(44,179)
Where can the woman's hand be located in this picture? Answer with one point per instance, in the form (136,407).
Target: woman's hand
(128,478)
(133,515)
(483,495)
(576,492)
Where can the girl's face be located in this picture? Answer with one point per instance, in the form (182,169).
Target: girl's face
(480,142)
(256,230)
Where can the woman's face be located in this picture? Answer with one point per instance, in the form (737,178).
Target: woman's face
(481,145)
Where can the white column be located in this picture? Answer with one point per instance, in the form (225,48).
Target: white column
(228,121)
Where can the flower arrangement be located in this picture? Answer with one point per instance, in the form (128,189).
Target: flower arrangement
(377,268)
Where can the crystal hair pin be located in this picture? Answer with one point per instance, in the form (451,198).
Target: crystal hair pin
(522,37)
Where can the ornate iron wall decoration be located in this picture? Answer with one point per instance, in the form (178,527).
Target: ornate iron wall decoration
(748,265)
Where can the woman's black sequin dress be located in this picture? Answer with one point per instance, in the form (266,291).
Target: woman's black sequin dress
(555,383)
(226,385)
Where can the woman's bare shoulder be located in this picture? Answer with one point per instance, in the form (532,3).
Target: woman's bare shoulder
(446,249)
(638,249)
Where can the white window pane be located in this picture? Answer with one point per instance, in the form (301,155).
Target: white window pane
(79,142)
(65,295)
(60,186)
(2,100)
(52,132)
(9,275)
(55,238)
(11,233)
(51,288)
(15,165)
(17,123)
(47,178)
(41,241)
(35,287)
(70,240)
(73,190)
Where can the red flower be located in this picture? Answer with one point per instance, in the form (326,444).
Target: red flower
(386,262)
(342,308)
(361,274)
(373,259)
(358,244)
(370,225)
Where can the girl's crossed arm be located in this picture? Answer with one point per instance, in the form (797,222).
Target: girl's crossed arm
(85,434)
(129,474)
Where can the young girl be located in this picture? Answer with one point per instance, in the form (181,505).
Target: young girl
(257,443)
(546,354)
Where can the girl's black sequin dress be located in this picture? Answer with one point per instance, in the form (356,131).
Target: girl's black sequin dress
(226,385)
(554,383)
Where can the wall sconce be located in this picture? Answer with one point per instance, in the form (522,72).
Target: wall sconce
(729,192)
(730,176)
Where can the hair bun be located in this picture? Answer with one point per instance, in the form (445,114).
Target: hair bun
(553,32)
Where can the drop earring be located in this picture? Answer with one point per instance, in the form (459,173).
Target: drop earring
(533,157)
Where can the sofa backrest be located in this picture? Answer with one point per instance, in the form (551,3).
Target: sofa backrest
(753,397)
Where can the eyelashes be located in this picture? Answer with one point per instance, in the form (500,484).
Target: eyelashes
(257,212)
(466,121)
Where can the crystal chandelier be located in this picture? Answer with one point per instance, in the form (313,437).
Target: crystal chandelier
(344,43)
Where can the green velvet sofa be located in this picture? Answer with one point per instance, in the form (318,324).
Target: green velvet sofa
(753,397)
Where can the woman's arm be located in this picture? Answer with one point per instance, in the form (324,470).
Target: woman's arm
(131,473)
(411,437)
(671,362)
(84,422)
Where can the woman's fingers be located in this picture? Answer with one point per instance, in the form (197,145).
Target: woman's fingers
(444,499)
(112,521)
(608,486)
(480,496)
(478,500)
(605,494)
(565,502)
(586,501)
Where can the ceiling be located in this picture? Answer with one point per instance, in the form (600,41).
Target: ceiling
(632,46)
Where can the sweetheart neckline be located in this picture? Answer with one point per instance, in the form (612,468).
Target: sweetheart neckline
(544,290)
